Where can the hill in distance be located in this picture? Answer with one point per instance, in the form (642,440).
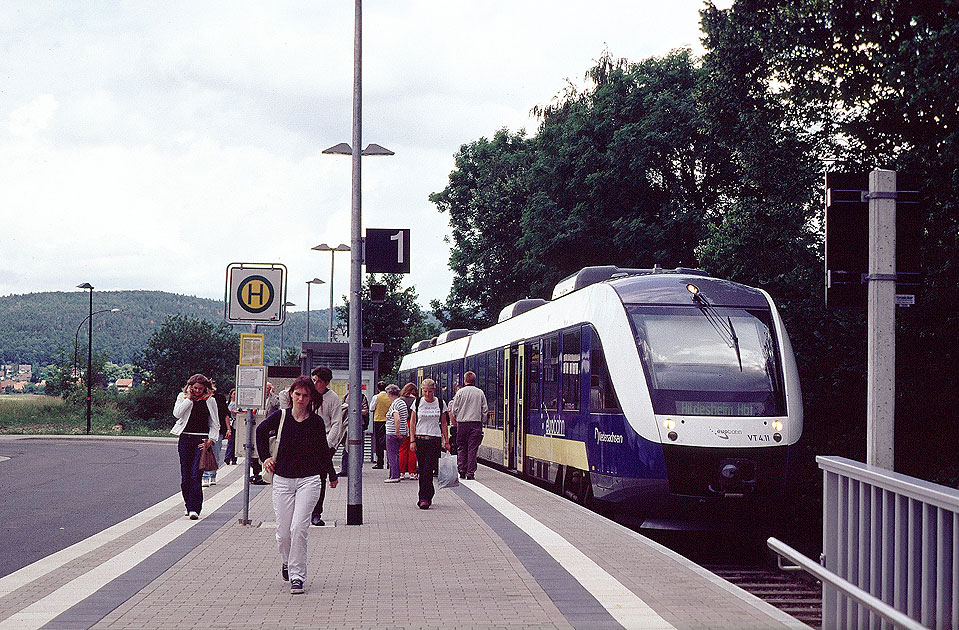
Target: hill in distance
(34,326)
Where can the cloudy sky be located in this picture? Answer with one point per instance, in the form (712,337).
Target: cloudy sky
(147,145)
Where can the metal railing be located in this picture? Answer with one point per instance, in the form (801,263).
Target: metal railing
(890,538)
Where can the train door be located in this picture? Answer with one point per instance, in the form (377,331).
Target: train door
(509,389)
(514,407)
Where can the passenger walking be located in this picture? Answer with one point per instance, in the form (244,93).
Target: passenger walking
(303,461)
(379,406)
(430,430)
(469,411)
(397,431)
(197,425)
(223,415)
(230,456)
(328,406)
(408,463)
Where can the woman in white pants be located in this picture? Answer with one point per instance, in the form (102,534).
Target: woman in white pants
(303,456)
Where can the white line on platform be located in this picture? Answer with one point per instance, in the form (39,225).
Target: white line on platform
(47,608)
(624,606)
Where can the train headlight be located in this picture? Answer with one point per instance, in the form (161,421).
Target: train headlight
(672,436)
(777,437)
(669,424)
(777,425)
(692,288)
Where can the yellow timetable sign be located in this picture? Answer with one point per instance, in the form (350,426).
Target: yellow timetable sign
(251,349)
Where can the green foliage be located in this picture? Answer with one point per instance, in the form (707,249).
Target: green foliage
(34,326)
(395,323)
(185,345)
(291,356)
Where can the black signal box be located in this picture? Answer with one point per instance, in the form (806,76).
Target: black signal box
(847,239)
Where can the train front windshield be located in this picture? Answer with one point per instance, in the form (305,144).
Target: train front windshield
(714,362)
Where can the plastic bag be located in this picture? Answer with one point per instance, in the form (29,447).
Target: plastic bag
(448,476)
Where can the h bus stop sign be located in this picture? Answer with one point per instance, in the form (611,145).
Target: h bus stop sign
(255,294)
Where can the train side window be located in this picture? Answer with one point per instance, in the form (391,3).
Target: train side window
(532,393)
(550,372)
(572,358)
(602,396)
(444,382)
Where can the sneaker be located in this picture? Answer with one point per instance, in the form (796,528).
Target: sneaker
(194,516)
(469,477)
(414,476)
(424,505)
(285,572)
(406,475)
(391,480)
(186,512)
(377,466)
(296,587)
(316,520)
(206,482)
(462,475)
(213,481)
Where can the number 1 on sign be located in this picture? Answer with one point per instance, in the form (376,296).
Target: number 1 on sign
(398,237)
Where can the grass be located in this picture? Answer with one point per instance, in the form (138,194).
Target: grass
(29,414)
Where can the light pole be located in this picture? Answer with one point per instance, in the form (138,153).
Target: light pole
(323,247)
(285,306)
(308,283)
(87,285)
(354,507)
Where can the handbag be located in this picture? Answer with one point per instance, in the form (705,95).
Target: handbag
(274,449)
(208,459)
(448,476)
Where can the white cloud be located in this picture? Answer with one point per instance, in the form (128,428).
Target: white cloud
(147,146)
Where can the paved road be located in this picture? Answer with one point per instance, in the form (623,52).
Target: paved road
(55,492)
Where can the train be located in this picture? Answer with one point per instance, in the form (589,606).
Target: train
(664,395)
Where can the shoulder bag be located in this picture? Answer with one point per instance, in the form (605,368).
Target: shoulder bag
(274,448)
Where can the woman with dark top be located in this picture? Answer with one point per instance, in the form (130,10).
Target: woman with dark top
(301,460)
(197,423)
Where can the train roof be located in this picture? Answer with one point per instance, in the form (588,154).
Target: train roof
(593,296)
(671,288)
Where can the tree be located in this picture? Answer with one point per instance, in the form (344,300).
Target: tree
(484,199)
(291,356)
(395,323)
(185,345)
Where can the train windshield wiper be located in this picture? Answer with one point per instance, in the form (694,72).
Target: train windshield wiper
(726,330)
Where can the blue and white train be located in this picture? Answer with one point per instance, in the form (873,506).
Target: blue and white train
(667,395)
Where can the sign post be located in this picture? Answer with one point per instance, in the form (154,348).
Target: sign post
(881,342)
(255,294)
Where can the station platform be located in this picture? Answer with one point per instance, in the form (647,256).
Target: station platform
(493,553)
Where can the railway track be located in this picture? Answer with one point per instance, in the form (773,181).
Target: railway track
(796,594)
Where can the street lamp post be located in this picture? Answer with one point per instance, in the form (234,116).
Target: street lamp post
(308,283)
(323,247)
(354,507)
(285,306)
(87,285)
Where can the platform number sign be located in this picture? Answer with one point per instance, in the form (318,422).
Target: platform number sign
(255,294)
(387,250)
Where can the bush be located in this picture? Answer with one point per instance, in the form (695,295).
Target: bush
(148,405)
